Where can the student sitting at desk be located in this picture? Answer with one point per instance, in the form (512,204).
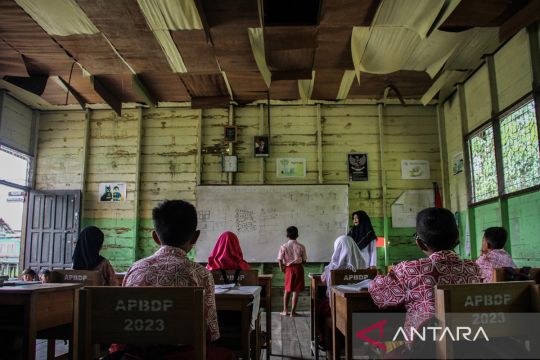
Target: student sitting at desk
(227,254)
(411,283)
(493,253)
(29,275)
(347,255)
(175,230)
(86,255)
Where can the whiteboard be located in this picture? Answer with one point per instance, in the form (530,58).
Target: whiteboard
(260,215)
(408,204)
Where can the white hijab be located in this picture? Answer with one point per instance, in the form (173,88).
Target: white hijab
(346,256)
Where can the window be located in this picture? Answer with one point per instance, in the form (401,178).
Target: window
(520,152)
(483,165)
(15,166)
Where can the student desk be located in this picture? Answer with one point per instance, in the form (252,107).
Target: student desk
(239,299)
(345,303)
(265,282)
(27,309)
(317,289)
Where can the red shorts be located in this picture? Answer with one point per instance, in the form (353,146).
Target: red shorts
(294,278)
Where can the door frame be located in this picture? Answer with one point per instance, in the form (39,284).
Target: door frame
(22,251)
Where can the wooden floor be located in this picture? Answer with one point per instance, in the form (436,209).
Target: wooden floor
(290,338)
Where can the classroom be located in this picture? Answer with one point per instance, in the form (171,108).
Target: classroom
(275,120)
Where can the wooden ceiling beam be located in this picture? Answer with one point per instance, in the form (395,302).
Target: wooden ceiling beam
(140,90)
(208,102)
(112,100)
(64,84)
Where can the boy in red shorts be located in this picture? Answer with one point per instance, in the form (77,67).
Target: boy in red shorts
(291,257)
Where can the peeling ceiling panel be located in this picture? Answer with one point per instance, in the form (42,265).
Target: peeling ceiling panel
(334,49)
(327,84)
(197,53)
(165,86)
(284,90)
(341,13)
(205,85)
(411,84)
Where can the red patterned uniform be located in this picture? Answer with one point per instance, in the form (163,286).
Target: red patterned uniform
(411,283)
(497,258)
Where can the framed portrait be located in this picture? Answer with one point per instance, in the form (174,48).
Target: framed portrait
(358,167)
(261,146)
(230,134)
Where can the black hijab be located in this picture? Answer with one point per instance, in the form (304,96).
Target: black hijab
(86,255)
(363,233)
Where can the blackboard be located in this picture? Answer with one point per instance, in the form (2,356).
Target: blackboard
(259,215)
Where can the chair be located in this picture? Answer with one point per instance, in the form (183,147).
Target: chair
(86,277)
(516,274)
(475,305)
(244,277)
(144,316)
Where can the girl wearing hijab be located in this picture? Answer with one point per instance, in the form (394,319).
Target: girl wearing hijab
(346,256)
(364,236)
(227,255)
(86,255)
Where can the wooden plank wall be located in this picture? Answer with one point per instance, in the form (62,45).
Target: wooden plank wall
(512,81)
(168,159)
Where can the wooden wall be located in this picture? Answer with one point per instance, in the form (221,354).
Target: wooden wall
(490,90)
(155,152)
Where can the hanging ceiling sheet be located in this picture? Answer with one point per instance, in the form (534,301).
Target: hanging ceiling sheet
(59,17)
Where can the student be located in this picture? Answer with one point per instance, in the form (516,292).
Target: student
(45,276)
(227,254)
(175,230)
(364,236)
(493,253)
(29,275)
(291,257)
(86,255)
(411,283)
(348,256)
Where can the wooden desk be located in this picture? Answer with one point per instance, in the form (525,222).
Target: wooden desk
(42,306)
(265,282)
(317,290)
(345,303)
(240,301)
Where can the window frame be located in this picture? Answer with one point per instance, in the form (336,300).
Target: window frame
(495,123)
(29,171)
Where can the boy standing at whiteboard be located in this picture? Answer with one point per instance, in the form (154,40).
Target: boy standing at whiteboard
(291,257)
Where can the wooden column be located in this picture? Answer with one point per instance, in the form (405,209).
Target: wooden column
(262,131)
(386,224)
(466,161)
(198,159)
(319,145)
(534,46)
(230,149)
(84,168)
(138,167)
(445,173)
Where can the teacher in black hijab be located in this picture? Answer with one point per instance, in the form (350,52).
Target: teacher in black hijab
(364,236)
(86,255)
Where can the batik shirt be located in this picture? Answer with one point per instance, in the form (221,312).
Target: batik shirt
(411,283)
(170,266)
(497,258)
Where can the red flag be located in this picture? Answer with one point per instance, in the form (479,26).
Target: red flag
(437,193)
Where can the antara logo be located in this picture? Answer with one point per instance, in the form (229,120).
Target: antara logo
(438,333)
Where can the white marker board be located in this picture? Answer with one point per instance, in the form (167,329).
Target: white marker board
(260,215)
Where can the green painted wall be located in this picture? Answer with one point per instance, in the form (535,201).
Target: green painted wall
(485,216)
(524,214)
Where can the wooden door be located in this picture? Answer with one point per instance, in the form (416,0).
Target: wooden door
(52,227)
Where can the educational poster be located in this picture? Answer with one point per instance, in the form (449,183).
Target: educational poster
(458,163)
(358,167)
(408,204)
(112,192)
(291,167)
(261,146)
(415,169)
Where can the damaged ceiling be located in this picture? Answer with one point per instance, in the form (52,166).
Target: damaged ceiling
(212,52)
